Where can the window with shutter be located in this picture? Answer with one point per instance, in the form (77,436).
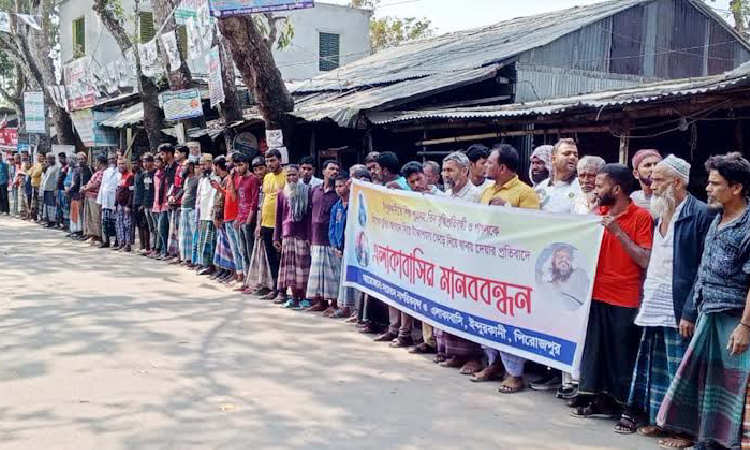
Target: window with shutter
(182,41)
(329,51)
(146,29)
(79,36)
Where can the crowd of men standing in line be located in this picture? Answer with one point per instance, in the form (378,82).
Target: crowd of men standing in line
(669,323)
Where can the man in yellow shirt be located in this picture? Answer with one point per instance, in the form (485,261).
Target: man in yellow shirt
(502,167)
(36,172)
(273,183)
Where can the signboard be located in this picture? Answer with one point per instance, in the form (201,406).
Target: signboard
(182,104)
(245,142)
(513,279)
(34,115)
(9,138)
(222,8)
(215,82)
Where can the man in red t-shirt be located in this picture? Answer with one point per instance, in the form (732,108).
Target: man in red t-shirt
(612,336)
(247,187)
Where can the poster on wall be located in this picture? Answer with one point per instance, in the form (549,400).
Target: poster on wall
(223,8)
(9,138)
(182,104)
(33,103)
(215,83)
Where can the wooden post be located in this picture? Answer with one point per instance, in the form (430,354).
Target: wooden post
(624,148)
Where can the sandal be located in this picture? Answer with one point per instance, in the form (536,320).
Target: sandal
(673,442)
(626,425)
(440,357)
(652,431)
(338,314)
(453,362)
(470,368)
(592,411)
(423,349)
(511,388)
(482,376)
(290,303)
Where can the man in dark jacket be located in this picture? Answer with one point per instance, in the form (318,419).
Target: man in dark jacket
(681,222)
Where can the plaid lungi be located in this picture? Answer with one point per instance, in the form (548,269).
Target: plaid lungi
(63,206)
(76,224)
(294,267)
(234,245)
(745,438)
(124,226)
(451,345)
(187,231)
(707,397)
(50,206)
(206,244)
(659,355)
(325,273)
(348,297)
(108,222)
(259,273)
(223,257)
(23,202)
(173,246)
(92,218)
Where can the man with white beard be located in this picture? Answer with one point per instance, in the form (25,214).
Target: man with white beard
(681,223)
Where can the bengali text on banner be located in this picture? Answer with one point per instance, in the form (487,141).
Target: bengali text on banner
(513,279)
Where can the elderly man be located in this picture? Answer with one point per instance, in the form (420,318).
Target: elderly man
(707,398)
(611,336)
(682,222)
(432,173)
(508,190)
(588,169)
(92,213)
(540,168)
(643,163)
(49,189)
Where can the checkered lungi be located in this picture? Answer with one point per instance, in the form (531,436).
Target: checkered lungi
(325,273)
(223,257)
(294,268)
(205,244)
(187,232)
(173,239)
(108,222)
(259,273)
(234,245)
(659,355)
(50,206)
(124,225)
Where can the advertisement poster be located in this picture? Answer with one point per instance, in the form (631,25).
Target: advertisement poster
(513,279)
(215,84)
(182,104)
(34,115)
(221,8)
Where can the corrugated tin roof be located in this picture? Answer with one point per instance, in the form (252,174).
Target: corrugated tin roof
(640,94)
(129,115)
(470,49)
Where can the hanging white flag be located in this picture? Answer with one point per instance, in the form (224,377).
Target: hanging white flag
(215,84)
(169,44)
(149,53)
(29,20)
(194,38)
(5,22)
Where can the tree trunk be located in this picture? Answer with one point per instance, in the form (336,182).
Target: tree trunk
(253,58)
(153,118)
(230,110)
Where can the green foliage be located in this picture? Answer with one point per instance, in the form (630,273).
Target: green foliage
(388,31)
(740,11)
(277,30)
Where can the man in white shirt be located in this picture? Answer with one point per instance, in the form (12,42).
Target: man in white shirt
(588,168)
(540,168)
(204,201)
(559,195)
(478,155)
(106,198)
(49,187)
(307,172)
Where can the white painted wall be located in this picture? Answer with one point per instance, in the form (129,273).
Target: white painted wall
(297,62)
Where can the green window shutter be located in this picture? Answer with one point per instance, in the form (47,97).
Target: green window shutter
(182,41)
(329,51)
(146,26)
(79,36)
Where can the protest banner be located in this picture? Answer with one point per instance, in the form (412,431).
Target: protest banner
(34,112)
(513,279)
(221,8)
(9,138)
(182,104)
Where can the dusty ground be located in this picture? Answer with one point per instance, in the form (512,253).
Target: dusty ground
(105,351)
